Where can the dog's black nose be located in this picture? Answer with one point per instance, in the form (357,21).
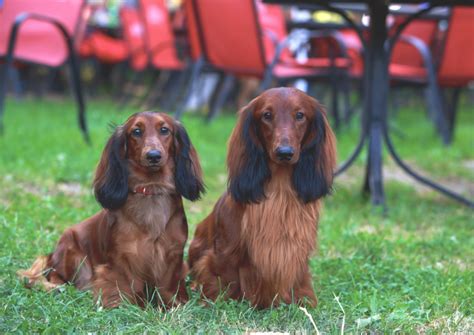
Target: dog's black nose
(153,156)
(285,153)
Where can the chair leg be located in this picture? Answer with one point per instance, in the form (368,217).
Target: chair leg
(266,81)
(128,89)
(77,88)
(92,85)
(14,75)
(346,93)
(196,70)
(451,109)
(156,89)
(222,93)
(3,92)
(436,107)
(335,101)
(119,78)
(174,88)
(5,72)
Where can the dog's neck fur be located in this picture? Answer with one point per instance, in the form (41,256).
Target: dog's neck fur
(151,213)
(280,231)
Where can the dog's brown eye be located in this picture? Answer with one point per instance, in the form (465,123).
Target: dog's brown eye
(299,116)
(137,132)
(267,116)
(164,131)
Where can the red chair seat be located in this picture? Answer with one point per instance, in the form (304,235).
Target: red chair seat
(160,39)
(285,71)
(325,62)
(413,73)
(134,35)
(107,49)
(167,60)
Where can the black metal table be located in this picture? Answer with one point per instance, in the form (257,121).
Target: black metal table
(374,121)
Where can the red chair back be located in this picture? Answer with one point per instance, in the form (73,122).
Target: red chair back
(134,35)
(404,54)
(38,41)
(192,30)
(457,62)
(159,35)
(231,35)
(272,21)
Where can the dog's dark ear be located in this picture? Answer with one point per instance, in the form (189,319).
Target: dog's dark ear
(246,160)
(313,174)
(188,173)
(111,177)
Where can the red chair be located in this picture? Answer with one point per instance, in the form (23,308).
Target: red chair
(134,35)
(198,64)
(104,48)
(453,69)
(412,64)
(41,32)
(404,54)
(194,40)
(456,69)
(127,51)
(160,41)
(162,52)
(237,45)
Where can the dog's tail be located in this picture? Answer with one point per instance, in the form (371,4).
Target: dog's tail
(36,274)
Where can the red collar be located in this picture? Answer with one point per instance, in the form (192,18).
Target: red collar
(145,190)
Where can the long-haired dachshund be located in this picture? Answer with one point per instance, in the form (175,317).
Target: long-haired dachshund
(257,241)
(134,246)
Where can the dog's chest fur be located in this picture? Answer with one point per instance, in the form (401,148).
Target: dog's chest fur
(280,233)
(143,242)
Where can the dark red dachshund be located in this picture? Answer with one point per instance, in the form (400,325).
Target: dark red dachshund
(133,246)
(257,241)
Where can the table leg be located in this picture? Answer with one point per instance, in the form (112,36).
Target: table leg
(376,91)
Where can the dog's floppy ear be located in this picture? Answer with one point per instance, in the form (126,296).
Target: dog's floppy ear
(246,160)
(313,174)
(111,177)
(188,174)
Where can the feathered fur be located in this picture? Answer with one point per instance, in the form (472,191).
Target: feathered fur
(257,241)
(133,248)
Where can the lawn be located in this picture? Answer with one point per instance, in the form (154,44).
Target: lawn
(410,270)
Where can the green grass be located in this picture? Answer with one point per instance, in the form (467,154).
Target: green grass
(410,270)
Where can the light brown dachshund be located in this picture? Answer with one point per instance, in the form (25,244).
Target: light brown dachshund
(257,241)
(133,248)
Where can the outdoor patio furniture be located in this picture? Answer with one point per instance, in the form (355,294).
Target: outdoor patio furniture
(121,47)
(374,125)
(327,52)
(456,67)
(42,32)
(162,54)
(235,44)
(197,64)
(412,64)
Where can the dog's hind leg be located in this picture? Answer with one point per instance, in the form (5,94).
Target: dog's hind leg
(67,264)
